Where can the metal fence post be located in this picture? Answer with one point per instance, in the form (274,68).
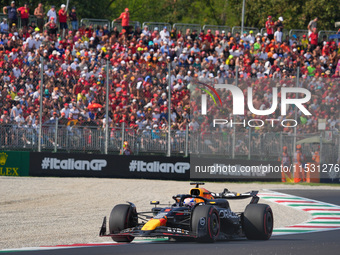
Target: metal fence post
(233,143)
(321,147)
(234,128)
(242,21)
(137,148)
(169,110)
(101,135)
(40,108)
(66,12)
(297,85)
(123,135)
(186,140)
(107,108)
(281,143)
(249,143)
(67,139)
(56,136)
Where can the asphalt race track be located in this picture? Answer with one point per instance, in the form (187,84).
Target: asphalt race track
(327,242)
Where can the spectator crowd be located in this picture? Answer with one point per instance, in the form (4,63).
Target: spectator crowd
(75,71)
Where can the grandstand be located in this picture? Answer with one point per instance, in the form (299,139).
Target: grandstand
(71,71)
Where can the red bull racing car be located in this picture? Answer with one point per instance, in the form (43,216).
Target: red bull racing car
(201,215)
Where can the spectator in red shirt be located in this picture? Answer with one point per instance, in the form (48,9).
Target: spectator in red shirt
(24,15)
(125,17)
(63,17)
(270,28)
(52,27)
(209,36)
(325,49)
(314,38)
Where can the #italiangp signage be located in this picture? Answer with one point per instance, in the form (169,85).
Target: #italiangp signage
(14,163)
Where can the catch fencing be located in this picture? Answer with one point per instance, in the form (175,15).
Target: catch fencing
(118,25)
(91,139)
(325,33)
(238,29)
(285,32)
(298,33)
(159,25)
(184,27)
(214,28)
(96,22)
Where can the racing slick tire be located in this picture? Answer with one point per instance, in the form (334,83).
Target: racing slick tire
(122,216)
(258,221)
(205,223)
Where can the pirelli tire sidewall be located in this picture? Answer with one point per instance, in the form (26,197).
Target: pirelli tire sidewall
(258,221)
(122,216)
(205,223)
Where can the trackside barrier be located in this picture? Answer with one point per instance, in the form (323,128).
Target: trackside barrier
(213,28)
(132,166)
(326,33)
(298,32)
(159,25)
(96,22)
(245,29)
(183,27)
(14,163)
(118,24)
(109,166)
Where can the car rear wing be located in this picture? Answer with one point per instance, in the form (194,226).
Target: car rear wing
(233,195)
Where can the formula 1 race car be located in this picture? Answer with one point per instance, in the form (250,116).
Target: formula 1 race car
(201,215)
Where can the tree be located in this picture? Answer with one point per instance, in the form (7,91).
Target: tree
(296,13)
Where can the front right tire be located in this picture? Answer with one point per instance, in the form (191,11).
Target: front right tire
(122,216)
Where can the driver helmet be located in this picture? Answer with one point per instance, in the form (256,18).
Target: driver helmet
(190,202)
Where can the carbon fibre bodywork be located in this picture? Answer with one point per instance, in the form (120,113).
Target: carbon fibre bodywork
(182,222)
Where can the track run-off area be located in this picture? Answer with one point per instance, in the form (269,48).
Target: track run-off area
(323,221)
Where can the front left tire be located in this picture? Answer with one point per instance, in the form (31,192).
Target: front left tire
(122,216)
(205,223)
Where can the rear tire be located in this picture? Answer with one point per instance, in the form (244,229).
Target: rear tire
(205,223)
(258,221)
(122,216)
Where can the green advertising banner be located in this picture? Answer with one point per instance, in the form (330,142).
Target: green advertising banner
(14,163)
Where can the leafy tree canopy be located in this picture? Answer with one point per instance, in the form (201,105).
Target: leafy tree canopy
(296,13)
